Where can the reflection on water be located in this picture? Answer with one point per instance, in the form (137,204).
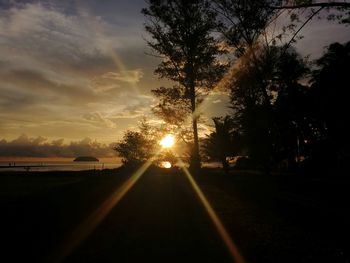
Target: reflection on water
(74,166)
(56,166)
(166,165)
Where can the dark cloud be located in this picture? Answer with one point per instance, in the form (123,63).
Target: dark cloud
(78,68)
(71,69)
(22,87)
(25,146)
(13,99)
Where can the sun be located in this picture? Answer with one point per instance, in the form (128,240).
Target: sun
(168,141)
(165,164)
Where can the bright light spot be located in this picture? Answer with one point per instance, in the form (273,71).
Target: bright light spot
(167,141)
(166,165)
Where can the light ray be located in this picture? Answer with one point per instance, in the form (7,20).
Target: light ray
(100,33)
(230,245)
(95,218)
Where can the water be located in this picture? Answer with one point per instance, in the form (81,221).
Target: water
(56,166)
(68,165)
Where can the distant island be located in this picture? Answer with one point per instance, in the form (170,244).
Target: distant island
(86,159)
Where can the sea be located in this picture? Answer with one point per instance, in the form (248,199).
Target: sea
(70,165)
(56,166)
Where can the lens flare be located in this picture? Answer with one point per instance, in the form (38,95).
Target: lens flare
(168,141)
(86,227)
(230,245)
(166,165)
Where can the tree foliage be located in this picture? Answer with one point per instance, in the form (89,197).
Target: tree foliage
(247,23)
(181,33)
(273,114)
(220,144)
(329,98)
(137,147)
(243,22)
(133,148)
(275,75)
(337,10)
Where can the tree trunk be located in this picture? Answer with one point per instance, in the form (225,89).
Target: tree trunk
(195,162)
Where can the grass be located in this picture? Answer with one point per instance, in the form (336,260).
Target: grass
(282,218)
(276,218)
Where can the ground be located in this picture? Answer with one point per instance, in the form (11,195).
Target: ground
(276,218)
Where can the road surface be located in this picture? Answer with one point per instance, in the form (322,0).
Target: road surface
(160,219)
(271,218)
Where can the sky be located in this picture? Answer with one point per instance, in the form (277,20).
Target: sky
(74,74)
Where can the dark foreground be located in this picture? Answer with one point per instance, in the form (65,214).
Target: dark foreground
(271,219)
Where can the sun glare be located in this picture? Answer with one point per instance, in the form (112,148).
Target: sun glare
(166,165)
(168,141)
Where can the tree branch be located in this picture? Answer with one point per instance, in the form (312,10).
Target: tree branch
(323,5)
(300,28)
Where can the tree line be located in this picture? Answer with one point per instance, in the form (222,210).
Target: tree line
(285,110)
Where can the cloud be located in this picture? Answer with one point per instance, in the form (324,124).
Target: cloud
(25,146)
(69,70)
(216,101)
(115,80)
(79,42)
(47,56)
(63,47)
(137,105)
(49,88)
(99,119)
(132,76)
(42,31)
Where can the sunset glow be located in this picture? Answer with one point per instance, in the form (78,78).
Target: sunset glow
(166,165)
(184,131)
(92,74)
(168,141)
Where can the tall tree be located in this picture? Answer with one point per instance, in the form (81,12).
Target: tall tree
(330,97)
(341,14)
(243,22)
(277,73)
(262,70)
(182,35)
(219,144)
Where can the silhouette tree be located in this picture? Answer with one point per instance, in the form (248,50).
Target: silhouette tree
(296,4)
(269,103)
(137,147)
(219,144)
(243,26)
(243,22)
(258,119)
(329,101)
(342,8)
(133,148)
(181,33)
